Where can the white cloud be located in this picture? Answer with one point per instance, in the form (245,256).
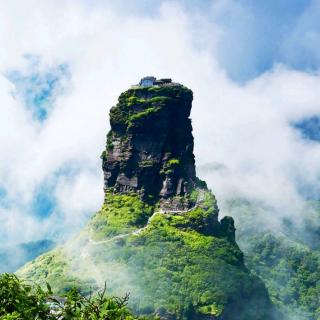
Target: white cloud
(244,127)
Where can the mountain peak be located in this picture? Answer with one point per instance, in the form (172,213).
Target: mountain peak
(150,145)
(157,234)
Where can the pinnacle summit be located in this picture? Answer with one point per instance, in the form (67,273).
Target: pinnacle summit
(150,145)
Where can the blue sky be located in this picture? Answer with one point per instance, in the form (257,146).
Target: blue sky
(259,34)
(256,34)
(309,128)
(253,66)
(38,88)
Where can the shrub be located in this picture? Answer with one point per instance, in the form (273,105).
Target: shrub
(21,301)
(170,166)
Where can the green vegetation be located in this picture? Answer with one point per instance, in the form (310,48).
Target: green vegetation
(159,100)
(181,269)
(57,261)
(22,301)
(290,271)
(139,94)
(194,195)
(288,261)
(133,111)
(172,263)
(170,91)
(201,184)
(121,213)
(173,162)
(109,145)
(170,166)
(137,119)
(197,219)
(103,155)
(139,104)
(134,100)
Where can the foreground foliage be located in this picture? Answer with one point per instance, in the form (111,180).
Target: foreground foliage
(22,301)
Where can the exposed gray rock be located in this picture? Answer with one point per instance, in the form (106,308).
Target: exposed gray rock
(150,146)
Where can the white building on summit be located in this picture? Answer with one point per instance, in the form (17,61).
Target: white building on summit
(147,81)
(152,81)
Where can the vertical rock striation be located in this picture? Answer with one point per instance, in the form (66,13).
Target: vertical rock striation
(150,145)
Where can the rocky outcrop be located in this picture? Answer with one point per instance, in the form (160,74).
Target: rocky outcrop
(149,151)
(150,145)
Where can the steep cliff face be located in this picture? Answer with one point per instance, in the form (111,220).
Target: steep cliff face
(149,149)
(150,144)
(157,235)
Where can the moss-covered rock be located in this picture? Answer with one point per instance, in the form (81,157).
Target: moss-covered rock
(151,125)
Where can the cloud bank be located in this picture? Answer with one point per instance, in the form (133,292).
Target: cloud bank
(68,61)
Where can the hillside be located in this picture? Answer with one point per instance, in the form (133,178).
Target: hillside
(157,235)
(285,257)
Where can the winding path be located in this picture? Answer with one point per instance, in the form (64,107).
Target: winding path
(138,231)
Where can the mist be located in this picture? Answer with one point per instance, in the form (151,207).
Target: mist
(64,72)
